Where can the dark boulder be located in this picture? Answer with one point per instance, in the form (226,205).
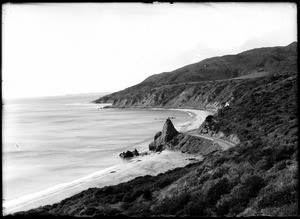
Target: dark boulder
(152,146)
(159,148)
(135,152)
(126,154)
(129,154)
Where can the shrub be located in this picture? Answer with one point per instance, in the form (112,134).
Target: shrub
(216,191)
(203,178)
(147,195)
(284,152)
(117,198)
(280,165)
(162,183)
(219,172)
(55,205)
(268,163)
(125,205)
(288,210)
(220,160)
(196,207)
(242,193)
(209,118)
(224,204)
(90,211)
(253,184)
(170,206)
(108,190)
(286,195)
(140,209)
(128,198)
(137,192)
(110,211)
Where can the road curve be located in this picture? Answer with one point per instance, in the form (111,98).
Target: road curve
(223,143)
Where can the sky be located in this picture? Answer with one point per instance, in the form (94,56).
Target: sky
(62,48)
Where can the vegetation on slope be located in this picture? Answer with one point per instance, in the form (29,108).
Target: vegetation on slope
(193,86)
(229,66)
(257,177)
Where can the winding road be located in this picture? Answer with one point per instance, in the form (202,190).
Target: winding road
(223,143)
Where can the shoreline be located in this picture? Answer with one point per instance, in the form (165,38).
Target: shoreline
(200,116)
(152,164)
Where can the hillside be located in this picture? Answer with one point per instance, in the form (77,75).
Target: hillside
(182,87)
(258,177)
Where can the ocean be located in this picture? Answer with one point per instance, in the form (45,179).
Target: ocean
(47,141)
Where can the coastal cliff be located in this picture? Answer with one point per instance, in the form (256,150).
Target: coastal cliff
(257,177)
(209,84)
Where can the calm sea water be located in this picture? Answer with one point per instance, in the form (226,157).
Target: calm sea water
(53,140)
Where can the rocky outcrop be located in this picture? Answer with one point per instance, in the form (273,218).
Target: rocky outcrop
(234,138)
(168,131)
(161,138)
(170,138)
(129,154)
(211,127)
(193,145)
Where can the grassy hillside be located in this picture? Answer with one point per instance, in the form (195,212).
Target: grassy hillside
(258,177)
(173,89)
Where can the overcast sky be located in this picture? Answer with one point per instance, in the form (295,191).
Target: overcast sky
(57,49)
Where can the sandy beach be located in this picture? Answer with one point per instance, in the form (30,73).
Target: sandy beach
(151,164)
(199,117)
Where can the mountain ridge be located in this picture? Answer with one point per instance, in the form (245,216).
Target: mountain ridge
(234,56)
(281,59)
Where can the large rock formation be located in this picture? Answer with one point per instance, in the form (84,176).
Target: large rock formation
(161,138)
(168,131)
